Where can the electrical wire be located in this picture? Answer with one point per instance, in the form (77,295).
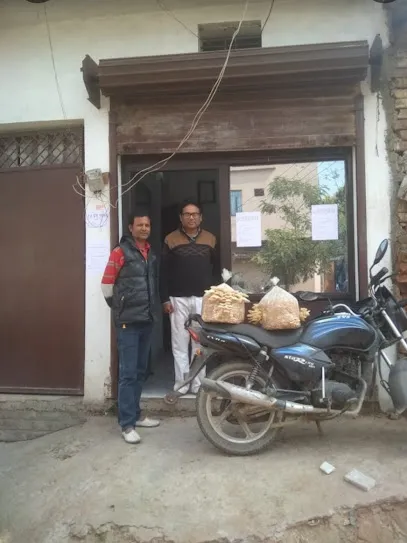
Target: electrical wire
(99,217)
(309,165)
(307,175)
(268,16)
(198,115)
(288,169)
(163,7)
(331,164)
(283,175)
(103,217)
(161,163)
(81,190)
(53,63)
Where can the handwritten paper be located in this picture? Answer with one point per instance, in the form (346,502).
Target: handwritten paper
(97,217)
(97,255)
(324,221)
(248,229)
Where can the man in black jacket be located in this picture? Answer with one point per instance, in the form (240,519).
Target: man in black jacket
(129,286)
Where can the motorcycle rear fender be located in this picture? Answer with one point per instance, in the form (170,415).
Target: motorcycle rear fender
(398,385)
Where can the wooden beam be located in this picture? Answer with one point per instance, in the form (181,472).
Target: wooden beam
(90,74)
(268,67)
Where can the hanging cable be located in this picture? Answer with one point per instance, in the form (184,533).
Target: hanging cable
(309,165)
(288,169)
(163,7)
(331,164)
(53,63)
(268,16)
(161,163)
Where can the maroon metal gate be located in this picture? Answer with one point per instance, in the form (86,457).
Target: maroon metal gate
(42,280)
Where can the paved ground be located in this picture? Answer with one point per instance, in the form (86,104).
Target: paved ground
(86,484)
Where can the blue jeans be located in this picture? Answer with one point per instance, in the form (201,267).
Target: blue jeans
(134,344)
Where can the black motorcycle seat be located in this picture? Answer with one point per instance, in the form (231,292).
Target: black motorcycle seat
(273,340)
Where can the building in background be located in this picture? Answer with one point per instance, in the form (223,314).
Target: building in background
(248,190)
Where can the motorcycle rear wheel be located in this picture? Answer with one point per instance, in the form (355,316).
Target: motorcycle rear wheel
(232,415)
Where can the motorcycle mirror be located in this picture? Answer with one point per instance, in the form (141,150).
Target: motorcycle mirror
(381,251)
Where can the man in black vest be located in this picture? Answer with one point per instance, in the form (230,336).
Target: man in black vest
(129,286)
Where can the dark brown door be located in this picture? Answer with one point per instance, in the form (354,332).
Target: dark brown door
(42,282)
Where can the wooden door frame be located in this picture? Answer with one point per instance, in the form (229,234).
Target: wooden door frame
(223,161)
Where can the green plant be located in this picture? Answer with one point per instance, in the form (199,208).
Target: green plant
(289,253)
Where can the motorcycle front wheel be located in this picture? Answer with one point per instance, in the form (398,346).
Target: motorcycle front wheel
(235,428)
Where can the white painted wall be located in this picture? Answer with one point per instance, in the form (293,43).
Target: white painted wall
(97,314)
(121,28)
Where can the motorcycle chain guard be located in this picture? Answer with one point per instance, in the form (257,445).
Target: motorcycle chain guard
(398,385)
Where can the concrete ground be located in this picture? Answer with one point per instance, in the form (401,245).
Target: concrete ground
(85,484)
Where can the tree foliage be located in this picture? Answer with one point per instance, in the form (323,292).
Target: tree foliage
(289,253)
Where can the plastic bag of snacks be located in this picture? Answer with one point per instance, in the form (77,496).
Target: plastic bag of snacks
(279,309)
(223,304)
(255,315)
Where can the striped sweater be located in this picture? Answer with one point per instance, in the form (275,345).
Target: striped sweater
(189,266)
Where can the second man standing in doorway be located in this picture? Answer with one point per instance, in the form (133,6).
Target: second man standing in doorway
(189,266)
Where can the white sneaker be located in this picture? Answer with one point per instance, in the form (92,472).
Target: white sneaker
(147,423)
(131,436)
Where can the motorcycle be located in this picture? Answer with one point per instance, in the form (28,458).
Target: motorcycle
(264,381)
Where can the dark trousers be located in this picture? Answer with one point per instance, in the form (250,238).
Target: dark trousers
(133,342)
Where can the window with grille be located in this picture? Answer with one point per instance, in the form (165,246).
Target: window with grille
(259,192)
(218,36)
(45,148)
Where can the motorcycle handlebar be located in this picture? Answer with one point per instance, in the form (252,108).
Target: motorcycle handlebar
(379,276)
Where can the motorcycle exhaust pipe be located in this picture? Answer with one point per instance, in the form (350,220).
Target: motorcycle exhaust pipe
(255,398)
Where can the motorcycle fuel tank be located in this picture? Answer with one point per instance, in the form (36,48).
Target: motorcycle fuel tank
(340,331)
(302,363)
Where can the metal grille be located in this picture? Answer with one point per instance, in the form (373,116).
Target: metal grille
(41,149)
(223,44)
(218,36)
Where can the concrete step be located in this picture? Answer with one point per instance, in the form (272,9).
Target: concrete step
(184,406)
(25,417)
(41,423)
(41,403)
(30,414)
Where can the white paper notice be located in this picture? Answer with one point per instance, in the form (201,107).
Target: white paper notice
(97,255)
(324,220)
(248,229)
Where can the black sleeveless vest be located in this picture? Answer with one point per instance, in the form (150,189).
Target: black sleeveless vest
(135,290)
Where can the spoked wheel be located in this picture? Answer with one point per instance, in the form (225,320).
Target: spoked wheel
(232,427)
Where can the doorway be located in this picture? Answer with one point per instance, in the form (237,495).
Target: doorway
(161,194)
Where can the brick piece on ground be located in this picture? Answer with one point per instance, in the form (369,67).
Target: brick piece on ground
(327,468)
(360,480)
